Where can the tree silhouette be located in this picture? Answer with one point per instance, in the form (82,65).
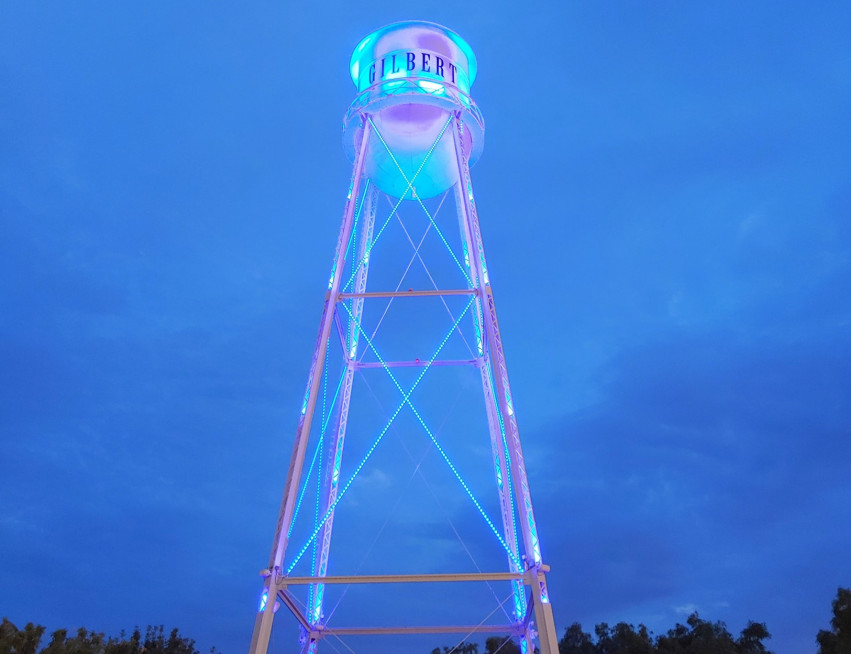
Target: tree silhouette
(461,648)
(838,639)
(701,637)
(697,636)
(576,641)
(19,641)
(750,640)
(28,639)
(503,645)
(623,639)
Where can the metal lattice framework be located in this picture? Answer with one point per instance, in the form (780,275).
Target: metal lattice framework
(326,423)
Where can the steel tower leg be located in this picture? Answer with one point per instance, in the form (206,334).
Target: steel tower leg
(265,616)
(498,388)
(335,459)
(498,448)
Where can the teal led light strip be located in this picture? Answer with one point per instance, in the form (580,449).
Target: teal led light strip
(396,206)
(417,197)
(375,443)
(442,452)
(320,449)
(371,245)
(506,457)
(313,460)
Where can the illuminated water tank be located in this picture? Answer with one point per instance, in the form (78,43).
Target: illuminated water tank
(412,133)
(410,77)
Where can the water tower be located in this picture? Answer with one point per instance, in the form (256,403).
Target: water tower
(397,316)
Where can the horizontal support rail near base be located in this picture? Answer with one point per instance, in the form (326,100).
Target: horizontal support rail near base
(453,629)
(401,579)
(410,293)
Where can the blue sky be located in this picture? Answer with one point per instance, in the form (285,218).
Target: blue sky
(665,196)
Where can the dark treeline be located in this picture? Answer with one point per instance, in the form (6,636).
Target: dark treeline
(837,639)
(697,636)
(29,641)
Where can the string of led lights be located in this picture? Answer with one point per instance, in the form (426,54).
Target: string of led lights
(330,510)
(417,197)
(350,247)
(349,342)
(427,272)
(313,460)
(506,457)
(417,471)
(404,272)
(320,448)
(399,202)
(431,436)
(380,530)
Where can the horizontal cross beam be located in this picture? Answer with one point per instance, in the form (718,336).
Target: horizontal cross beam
(283,582)
(408,293)
(419,363)
(453,629)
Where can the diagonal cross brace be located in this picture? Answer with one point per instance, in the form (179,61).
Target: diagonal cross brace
(417,197)
(406,400)
(399,201)
(375,443)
